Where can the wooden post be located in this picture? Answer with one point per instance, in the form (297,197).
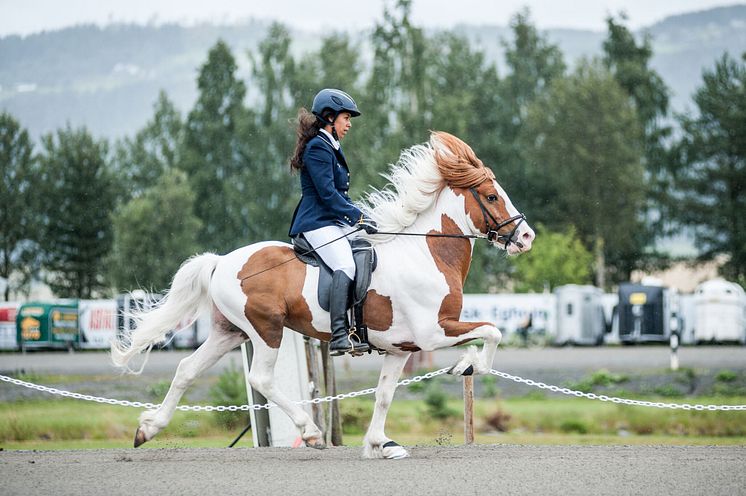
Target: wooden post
(469,409)
(312,359)
(334,422)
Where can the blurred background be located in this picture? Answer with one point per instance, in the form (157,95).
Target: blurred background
(135,134)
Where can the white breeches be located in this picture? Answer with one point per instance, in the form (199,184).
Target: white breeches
(337,255)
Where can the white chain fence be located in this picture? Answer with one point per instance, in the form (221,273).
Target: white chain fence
(363,392)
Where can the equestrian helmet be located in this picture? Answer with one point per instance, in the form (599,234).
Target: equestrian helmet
(335,100)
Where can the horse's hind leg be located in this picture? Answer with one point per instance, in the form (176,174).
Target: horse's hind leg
(261,378)
(376,444)
(221,340)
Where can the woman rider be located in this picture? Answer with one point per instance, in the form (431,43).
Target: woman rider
(325,212)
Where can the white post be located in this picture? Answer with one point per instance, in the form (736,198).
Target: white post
(674,351)
(291,377)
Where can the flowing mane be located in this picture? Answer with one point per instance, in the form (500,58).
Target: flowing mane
(421,172)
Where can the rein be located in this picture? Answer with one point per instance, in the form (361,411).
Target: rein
(492,235)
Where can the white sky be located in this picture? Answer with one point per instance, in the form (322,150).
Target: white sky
(30,16)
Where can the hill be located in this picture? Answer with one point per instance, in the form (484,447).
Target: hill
(108,78)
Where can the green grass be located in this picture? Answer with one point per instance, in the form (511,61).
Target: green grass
(71,424)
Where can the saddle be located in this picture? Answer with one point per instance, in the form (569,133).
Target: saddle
(366,261)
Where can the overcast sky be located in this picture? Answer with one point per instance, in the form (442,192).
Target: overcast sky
(30,16)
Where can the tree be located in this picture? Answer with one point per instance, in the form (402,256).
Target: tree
(273,193)
(585,137)
(154,149)
(154,234)
(79,196)
(533,63)
(556,258)
(629,63)
(395,92)
(213,154)
(18,208)
(711,184)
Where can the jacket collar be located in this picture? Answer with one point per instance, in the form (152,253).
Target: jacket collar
(327,136)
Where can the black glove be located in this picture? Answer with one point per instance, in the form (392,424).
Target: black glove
(368,225)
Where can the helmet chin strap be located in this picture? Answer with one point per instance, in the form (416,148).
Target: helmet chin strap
(330,123)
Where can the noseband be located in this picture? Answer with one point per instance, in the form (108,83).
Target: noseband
(492,232)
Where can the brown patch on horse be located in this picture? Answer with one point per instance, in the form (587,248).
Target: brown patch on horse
(408,346)
(274,298)
(452,256)
(377,311)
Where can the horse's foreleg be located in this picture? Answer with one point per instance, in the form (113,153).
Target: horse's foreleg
(376,444)
(218,343)
(457,332)
(261,378)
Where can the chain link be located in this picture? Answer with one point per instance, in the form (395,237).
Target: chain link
(363,392)
(612,399)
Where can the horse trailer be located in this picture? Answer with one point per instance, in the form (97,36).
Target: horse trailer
(8,335)
(580,315)
(48,325)
(720,308)
(647,313)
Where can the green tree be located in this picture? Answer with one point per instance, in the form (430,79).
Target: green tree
(395,92)
(141,160)
(556,258)
(18,208)
(272,192)
(711,184)
(154,234)
(213,154)
(533,63)
(585,135)
(79,197)
(629,63)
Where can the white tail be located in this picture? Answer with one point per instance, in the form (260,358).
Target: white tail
(187,298)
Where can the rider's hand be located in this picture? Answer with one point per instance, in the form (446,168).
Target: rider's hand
(368,225)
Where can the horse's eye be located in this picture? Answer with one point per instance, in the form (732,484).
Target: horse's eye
(492,198)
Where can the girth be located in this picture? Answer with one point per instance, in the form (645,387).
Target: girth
(365,259)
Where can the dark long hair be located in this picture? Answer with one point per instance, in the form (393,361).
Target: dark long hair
(307,127)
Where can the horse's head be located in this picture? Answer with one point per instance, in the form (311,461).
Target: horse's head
(487,205)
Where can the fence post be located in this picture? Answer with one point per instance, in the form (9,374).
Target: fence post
(469,409)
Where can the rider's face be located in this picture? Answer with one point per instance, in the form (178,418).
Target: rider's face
(342,124)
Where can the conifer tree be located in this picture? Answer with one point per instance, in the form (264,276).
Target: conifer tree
(79,195)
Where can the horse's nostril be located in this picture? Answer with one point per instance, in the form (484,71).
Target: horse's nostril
(527,236)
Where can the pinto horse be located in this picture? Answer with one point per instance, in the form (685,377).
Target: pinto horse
(414,302)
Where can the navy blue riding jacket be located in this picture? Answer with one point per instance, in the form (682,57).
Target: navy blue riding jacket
(325,180)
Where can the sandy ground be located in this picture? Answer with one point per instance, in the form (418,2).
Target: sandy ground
(494,469)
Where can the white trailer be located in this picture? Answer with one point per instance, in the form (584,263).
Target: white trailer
(580,315)
(98,323)
(720,308)
(510,312)
(8,333)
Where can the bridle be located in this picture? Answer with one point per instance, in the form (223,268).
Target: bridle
(493,232)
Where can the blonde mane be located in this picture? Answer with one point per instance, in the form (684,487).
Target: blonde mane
(421,172)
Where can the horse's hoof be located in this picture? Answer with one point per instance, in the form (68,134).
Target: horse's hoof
(469,370)
(139,437)
(315,443)
(392,451)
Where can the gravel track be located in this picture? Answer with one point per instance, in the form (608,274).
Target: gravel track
(484,469)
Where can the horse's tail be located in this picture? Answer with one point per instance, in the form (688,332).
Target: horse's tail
(187,297)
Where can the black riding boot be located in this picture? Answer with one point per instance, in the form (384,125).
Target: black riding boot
(342,341)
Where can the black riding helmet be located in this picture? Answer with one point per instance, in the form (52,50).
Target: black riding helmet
(335,100)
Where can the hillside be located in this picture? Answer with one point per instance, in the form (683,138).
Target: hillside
(108,78)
